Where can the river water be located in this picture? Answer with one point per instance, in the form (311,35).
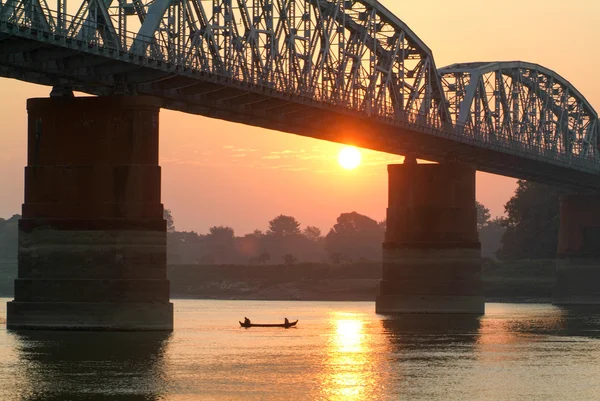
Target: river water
(339,351)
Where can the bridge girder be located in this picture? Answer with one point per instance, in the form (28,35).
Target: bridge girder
(352,54)
(334,59)
(524,103)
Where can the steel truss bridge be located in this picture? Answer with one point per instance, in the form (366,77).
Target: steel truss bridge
(345,71)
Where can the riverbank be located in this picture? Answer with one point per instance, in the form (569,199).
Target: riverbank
(523,281)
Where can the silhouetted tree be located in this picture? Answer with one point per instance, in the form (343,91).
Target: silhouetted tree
(264,257)
(9,238)
(221,233)
(170,221)
(312,233)
(282,226)
(249,246)
(220,243)
(483,215)
(9,245)
(532,222)
(490,236)
(355,236)
(185,247)
(284,236)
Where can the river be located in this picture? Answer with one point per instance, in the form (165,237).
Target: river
(338,351)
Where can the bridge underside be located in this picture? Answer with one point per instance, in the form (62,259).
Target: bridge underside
(75,65)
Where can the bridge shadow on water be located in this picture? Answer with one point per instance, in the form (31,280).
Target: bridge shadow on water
(431,332)
(91,366)
(576,321)
(434,329)
(427,353)
(496,356)
(552,322)
(449,336)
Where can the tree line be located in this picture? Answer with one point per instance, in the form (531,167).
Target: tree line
(354,237)
(9,242)
(529,230)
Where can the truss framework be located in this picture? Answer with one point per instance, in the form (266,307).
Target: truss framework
(517,102)
(352,56)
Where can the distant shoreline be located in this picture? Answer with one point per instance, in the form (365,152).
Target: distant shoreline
(517,282)
(487,300)
(522,282)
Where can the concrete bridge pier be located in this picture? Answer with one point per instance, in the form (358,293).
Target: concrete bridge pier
(431,253)
(92,238)
(578,253)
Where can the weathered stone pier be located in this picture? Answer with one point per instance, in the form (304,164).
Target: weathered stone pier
(431,253)
(92,238)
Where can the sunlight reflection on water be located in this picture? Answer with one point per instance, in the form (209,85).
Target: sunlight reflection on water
(348,374)
(338,352)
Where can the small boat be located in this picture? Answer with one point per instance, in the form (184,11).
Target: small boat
(284,325)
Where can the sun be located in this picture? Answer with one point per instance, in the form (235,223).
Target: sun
(349,157)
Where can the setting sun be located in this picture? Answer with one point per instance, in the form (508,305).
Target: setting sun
(349,157)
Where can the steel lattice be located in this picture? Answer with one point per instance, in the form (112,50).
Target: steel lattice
(345,57)
(352,54)
(523,103)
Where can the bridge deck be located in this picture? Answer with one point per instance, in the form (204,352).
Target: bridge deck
(40,56)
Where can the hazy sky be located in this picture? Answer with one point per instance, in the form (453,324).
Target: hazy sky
(219,173)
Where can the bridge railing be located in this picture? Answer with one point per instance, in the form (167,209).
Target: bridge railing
(89,36)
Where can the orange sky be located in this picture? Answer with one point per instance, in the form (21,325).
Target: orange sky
(219,173)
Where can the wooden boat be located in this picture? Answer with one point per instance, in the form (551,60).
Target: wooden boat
(284,325)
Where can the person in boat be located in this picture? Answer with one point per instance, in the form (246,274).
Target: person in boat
(246,321)
(286,321)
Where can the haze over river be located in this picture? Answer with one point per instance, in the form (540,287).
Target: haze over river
(339,351)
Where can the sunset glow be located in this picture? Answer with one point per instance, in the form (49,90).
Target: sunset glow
(216,172)
(349,157)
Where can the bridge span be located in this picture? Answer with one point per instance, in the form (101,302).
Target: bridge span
(341,70)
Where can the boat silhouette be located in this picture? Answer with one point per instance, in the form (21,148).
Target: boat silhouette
(284,325)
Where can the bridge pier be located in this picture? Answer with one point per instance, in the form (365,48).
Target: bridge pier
(578,253)
(92,238)
(431,253)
